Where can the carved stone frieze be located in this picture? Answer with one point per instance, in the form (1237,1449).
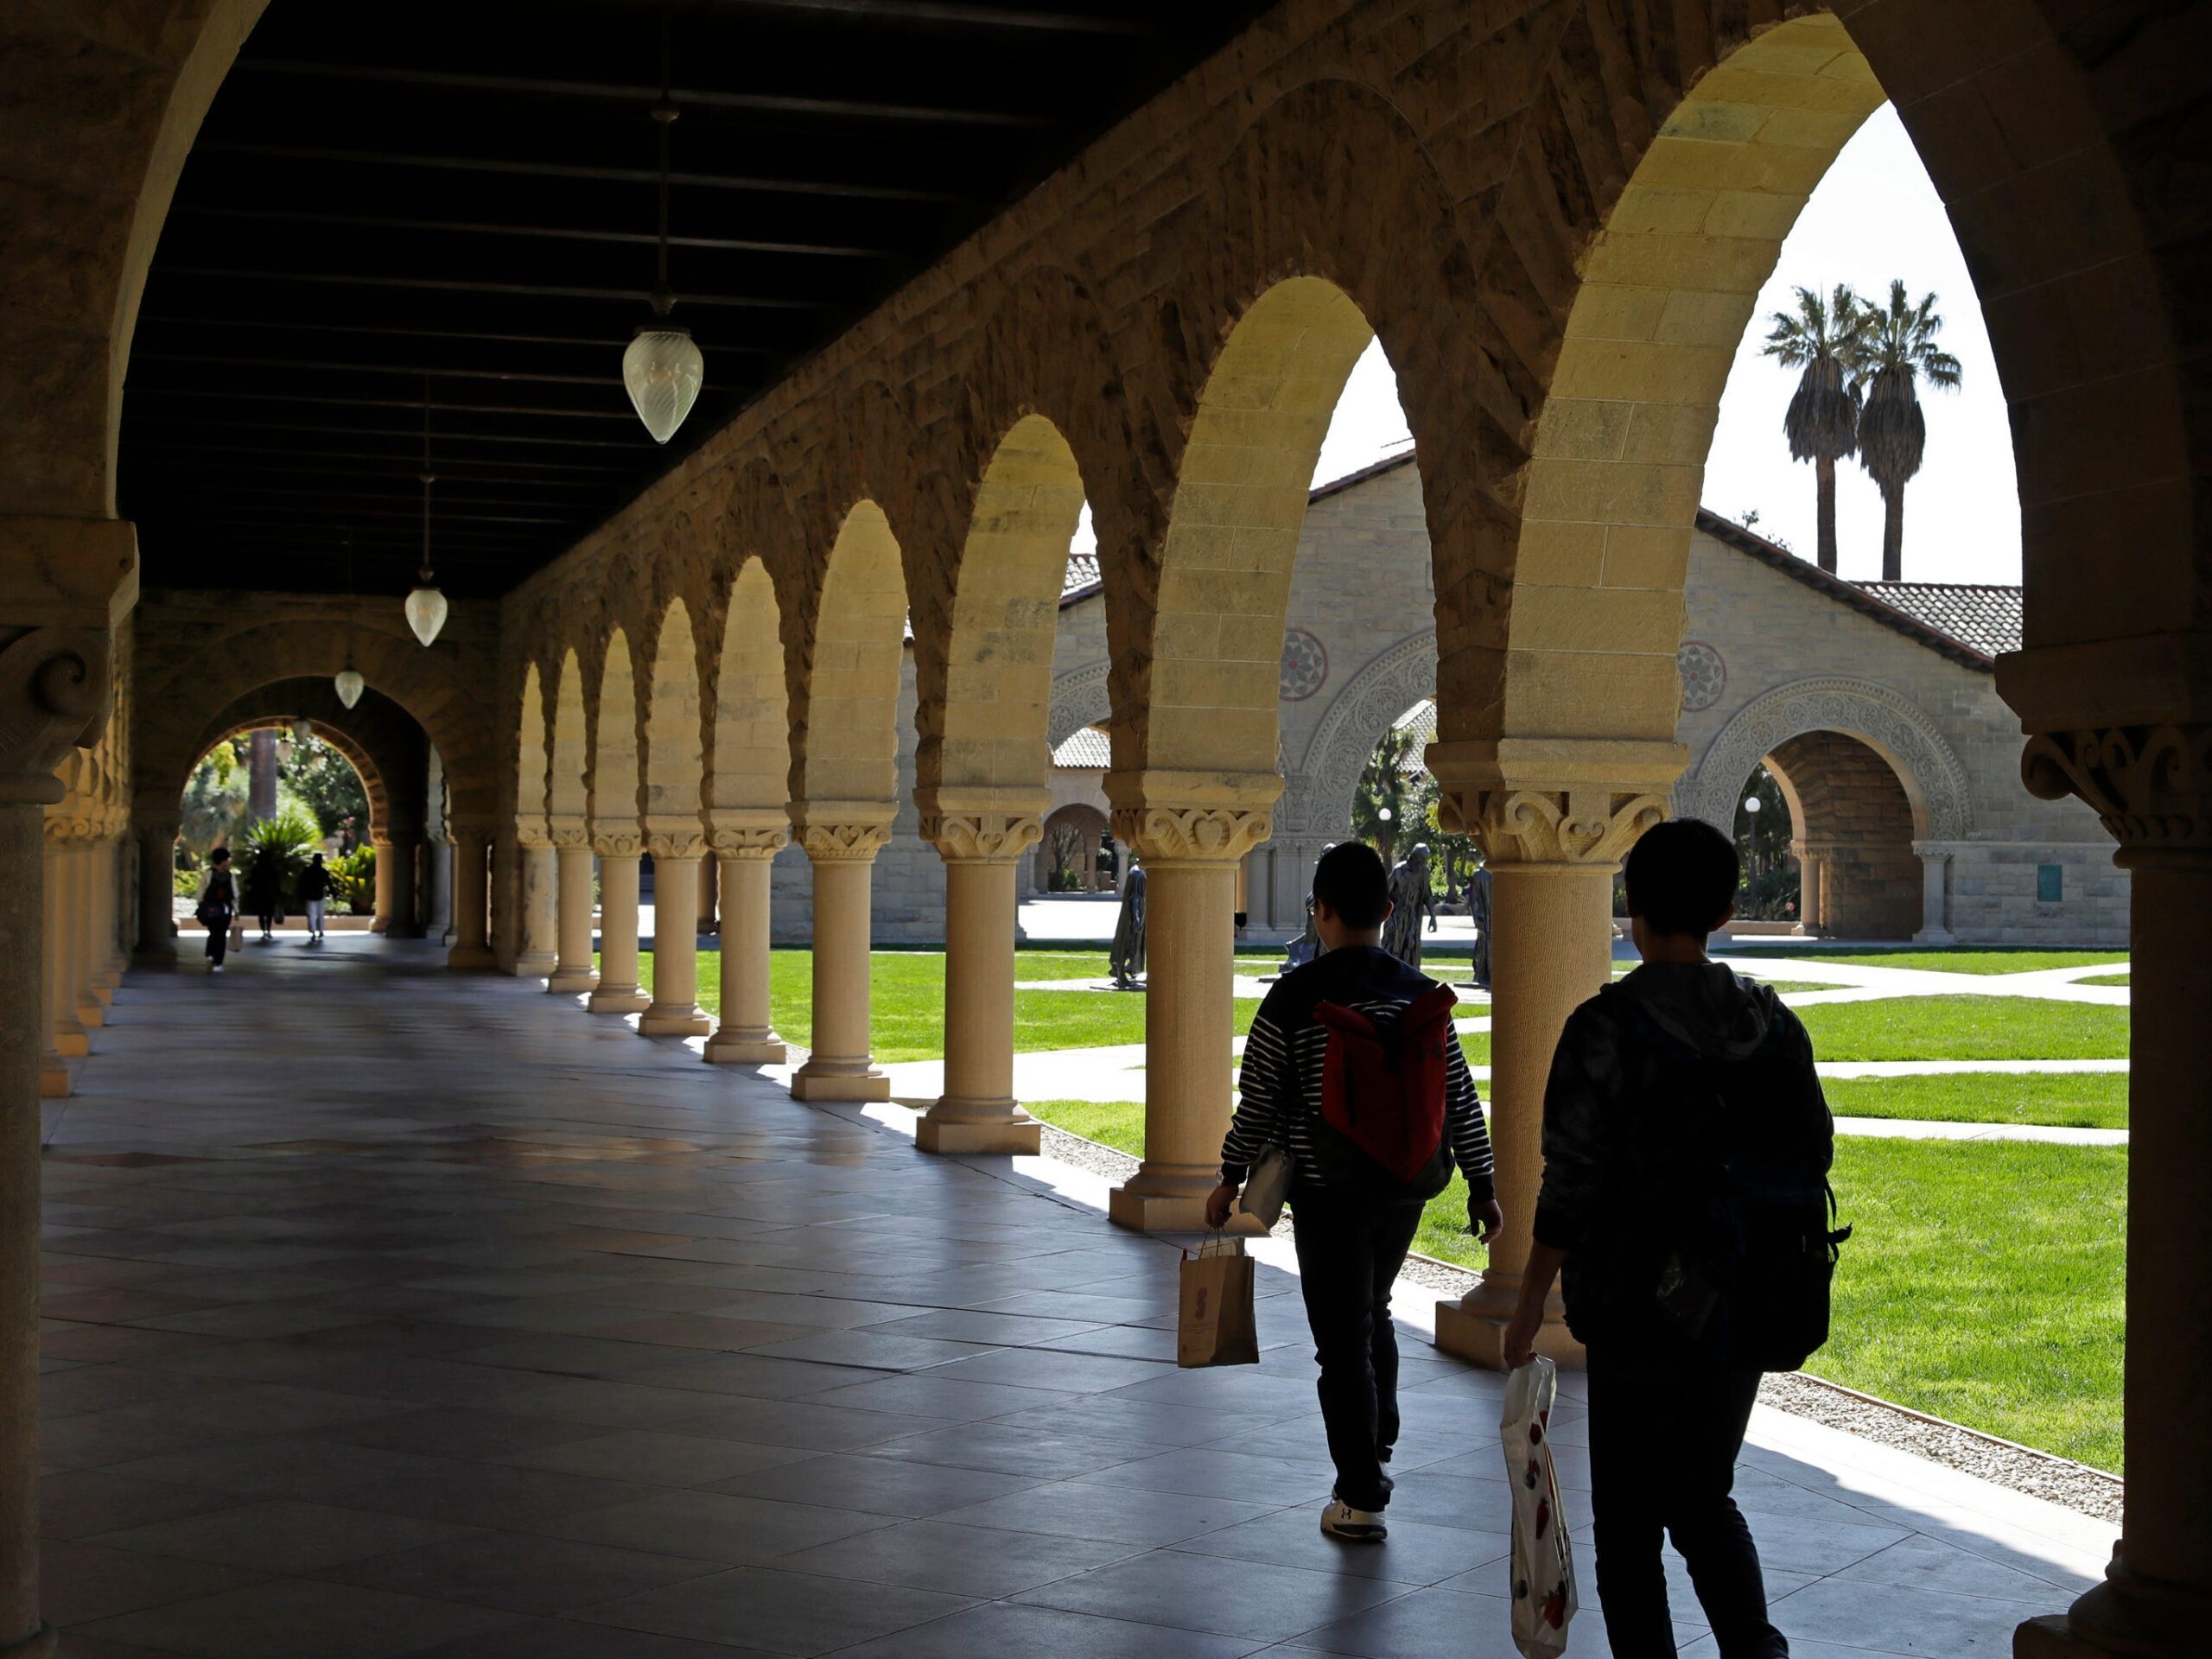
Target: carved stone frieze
(2150,785)
(1584,825)
(532,835)
(676,843)
(53,687)
(569,832)
(826,842)
(764,841)
(1201,835)
(982,837)
(618,843)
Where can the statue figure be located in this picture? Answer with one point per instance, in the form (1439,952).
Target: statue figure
(1308,945)
(1479,912)
(1410,900)
(1126,959)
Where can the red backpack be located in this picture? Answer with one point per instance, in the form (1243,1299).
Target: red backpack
(1383,1096)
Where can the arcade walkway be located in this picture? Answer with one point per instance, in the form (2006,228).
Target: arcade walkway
(394,1312)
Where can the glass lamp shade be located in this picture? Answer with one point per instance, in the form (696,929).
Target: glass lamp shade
(350,685)
(661,372)
(303,731)
(426,611)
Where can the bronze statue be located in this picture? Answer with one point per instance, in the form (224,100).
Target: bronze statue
(1126,958)
(1410,899)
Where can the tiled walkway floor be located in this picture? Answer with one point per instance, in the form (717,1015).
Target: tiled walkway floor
(397,1312)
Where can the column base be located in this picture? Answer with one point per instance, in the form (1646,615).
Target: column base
(92,1013)
(846,1081)
(2126,1616)
(1163,1200)
(618,1001)
(40,1645)
(673,1022)
(53,1081)
(471,958)
(962,1126)
(739,1048)
(536,966)
(569,982)
(72,1044)
(1935,936)
(1474,1328)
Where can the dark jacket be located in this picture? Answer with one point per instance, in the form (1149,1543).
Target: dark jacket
(1619,1166)
(314,883)
(264,889)
(1279,1088)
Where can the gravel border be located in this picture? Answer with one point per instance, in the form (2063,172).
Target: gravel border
(2019,1468)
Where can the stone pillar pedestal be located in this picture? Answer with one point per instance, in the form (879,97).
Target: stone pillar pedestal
(2153,787)
(472,934)
(83,892)
(156,891)
(746,845)
(536,952)
(842,841)
(618,991)
(1935,894)
(107,959)
(387,874)
(72,1037)
(406,915)
(1191,831)
(1553,818)
(674,1010)
(572,926)
(54,1060)
(982,836)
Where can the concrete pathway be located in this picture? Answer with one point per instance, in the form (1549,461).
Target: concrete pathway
(397,1312)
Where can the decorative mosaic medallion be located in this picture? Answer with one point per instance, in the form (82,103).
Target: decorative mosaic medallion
(1705,675)
(1305,666)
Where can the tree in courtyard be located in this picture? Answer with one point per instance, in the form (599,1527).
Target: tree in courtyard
(1822,341)
(1896,351)
(326,783)
(1394,793)
(214,798)
(1064,843)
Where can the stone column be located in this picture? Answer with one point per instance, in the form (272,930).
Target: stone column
(746,846)
(54,1062)
(708,896)
(405,918)
(106,959)
(157,891)
(1935,897)
(982,835)
(54,682)
(387,875)
(472,938)
(71,1030)
(572,927)
(674,1011)
(841,842)
(536,945)
(618,991)
(2153,787)
(1191,833)
(1553,819)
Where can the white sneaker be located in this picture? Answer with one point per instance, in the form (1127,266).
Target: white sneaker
(1340,1520)
(217,968)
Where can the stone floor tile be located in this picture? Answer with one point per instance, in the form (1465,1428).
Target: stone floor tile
(458,1432)
(1007,1631)
(1198,1593)
(1040,1368)
(981,1561)
(295,1466)
(928,1394)
(1113,1513)
(997,1330)
(872,1347)
(782,1612)
(80,1582)
(712,1332)
(657,1459)
(875,1485)
(801,1423)
(1060,1453)
(88,1501)
(281,1536)
(730,1529)
(489,1494)
(1430,1622)
(269,1621)
(1413,1553)
(554,1638)
(1899,1618)
(521,1572)
(758,1376)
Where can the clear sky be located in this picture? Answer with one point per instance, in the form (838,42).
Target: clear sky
(1874,217)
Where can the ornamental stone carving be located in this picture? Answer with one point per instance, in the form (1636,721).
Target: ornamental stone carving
(759,841)
(1200,835)
(1397,678)
(1893,723)
(53,697)
(526,835)
(982,837)
(830,842)
(1080,698)
(569,833)
(1582,824)
(618,843)
(677,843)
(2150,785)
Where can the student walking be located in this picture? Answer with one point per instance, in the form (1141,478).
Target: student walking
(1356,1038)
(217,906)
(314,894)
(1687,1148)
(264,892)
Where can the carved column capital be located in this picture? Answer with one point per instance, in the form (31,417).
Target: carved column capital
(832,843)
(570,835)
(526,835)
(764,841)
(618,843)
(382,840)
(1180,817)
(54,695)
(982,837)
(1574,802)
(2151,786)
(677,843)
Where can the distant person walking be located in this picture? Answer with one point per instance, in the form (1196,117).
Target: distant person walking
(346,839)
(314,894)
(218,906)
(264,893)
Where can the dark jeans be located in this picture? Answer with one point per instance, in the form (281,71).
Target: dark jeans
(1664,1435)
(219,941)
(1348,1253)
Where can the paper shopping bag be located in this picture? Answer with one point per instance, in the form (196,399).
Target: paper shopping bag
(1544,1565)
(1214,1325)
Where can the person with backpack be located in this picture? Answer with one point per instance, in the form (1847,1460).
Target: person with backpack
(1685,1205)
(314,894)
(217,906)
(1352,1067)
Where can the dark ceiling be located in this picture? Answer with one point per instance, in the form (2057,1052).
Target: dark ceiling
(396,205)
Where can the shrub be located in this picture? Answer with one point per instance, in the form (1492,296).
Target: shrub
(353,880)
(288,838)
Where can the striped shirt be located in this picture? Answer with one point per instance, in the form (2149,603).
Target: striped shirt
(1280,1086)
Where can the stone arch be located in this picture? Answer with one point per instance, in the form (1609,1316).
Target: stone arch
(844,698)
(1887,721)
(749,764)
(530,755)
(1319,798)
(984,694)
(673,758)
(1082,697)
(1665,291)
(1089,824)
(614,776)
(385,745)
(364,763)
(1854,824)
(568,795)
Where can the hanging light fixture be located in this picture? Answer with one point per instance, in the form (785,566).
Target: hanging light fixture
(661,369)
(426,607)
(303,731)
(349,684)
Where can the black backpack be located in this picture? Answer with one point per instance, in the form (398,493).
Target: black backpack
(1738,1261)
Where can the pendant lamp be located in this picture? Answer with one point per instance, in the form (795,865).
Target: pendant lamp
(303,731)
(349,684)
(661,369)
(426,607)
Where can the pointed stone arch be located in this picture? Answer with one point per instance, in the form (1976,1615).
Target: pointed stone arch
(1328,775)
(749,764)
(673,762)
(567,791)
(531,756)
(844,696)
(614,773)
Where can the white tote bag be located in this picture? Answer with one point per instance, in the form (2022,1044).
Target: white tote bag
(1544,1565)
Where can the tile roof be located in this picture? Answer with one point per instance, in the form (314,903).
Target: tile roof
(1088,748)
(1982,615)
(1081,576)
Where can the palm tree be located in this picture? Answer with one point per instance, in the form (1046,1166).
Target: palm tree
(1897,351)
(1822,421)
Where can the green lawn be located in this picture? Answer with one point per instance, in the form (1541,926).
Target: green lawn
(2071,1099)
(1959,961)
(1966,1028)
(2106,979)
